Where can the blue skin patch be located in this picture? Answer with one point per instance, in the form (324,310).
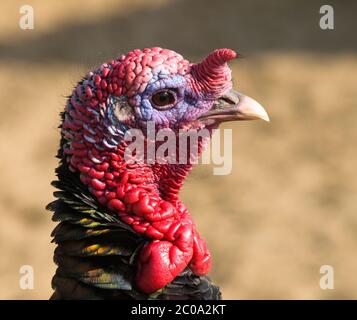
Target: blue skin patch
(187,108)
(146,109)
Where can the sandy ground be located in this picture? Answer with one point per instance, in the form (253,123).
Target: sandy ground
(288,207)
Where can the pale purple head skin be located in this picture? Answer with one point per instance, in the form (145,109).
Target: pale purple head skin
(169,70)
(188,104)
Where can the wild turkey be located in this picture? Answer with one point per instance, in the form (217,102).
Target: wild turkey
(123,233)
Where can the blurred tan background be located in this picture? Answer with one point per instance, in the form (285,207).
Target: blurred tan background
(289,205)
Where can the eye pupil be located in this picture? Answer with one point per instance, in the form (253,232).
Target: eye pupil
(163,98)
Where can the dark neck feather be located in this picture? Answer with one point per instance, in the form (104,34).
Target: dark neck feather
(96,252)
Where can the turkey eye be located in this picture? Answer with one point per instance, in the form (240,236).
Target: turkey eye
(163,99)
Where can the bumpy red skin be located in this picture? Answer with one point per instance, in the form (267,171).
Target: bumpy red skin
(176,243)
(143,196)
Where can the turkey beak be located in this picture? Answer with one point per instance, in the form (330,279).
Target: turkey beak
(234,106)
(246,107)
